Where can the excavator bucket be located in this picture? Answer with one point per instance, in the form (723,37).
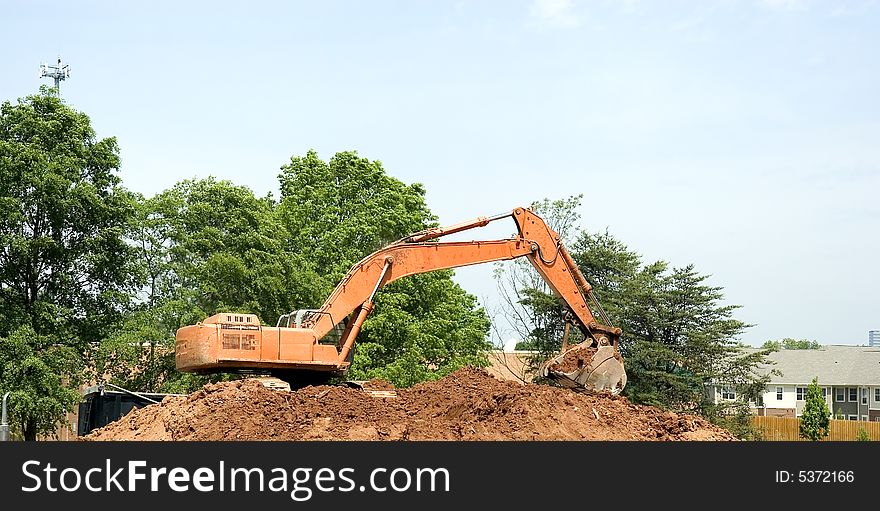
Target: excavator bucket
(584,367)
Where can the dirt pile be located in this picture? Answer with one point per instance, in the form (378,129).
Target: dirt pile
(466,405)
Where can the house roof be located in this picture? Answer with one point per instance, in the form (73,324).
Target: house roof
(832,365)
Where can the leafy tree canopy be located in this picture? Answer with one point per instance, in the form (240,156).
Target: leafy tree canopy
(791,344)
(337,212)
(42,379)
(64,265)
(65,268)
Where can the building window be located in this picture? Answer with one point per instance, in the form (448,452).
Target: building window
(801,392)
(838,394)
(853,394)
(728,394)
(779,393)
(824,391)
(853,417)
(865,418)
(864,396)
(877,395)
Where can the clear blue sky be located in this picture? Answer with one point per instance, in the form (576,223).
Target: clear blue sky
(741,136)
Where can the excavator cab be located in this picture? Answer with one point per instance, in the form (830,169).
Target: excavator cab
(307,318)
(298,318)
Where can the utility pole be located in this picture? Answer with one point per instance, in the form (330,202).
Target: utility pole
(58,72)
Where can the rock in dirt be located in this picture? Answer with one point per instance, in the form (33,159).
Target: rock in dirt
(466,405)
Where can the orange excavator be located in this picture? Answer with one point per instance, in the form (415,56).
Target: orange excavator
(309,346)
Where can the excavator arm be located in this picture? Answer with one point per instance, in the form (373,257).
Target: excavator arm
(594,363)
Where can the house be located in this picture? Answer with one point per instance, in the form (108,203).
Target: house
(848,375)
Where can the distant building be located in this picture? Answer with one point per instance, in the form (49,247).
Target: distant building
(874,338)
(848,375)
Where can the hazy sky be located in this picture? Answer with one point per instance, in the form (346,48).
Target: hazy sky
(741,136)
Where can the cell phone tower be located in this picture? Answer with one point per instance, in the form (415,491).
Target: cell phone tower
(59,72)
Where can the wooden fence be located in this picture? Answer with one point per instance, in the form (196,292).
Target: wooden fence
(784,428)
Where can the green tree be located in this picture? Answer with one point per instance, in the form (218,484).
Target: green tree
(226,248)
(424,327)
(814,423)
(41,377)
(336,212)
(341,210)
(65,272)
(791,344)
(680,338)
(863,436)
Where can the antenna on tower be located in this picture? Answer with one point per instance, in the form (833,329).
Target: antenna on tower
(58,72)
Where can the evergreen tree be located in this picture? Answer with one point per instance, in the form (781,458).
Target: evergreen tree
(815,421)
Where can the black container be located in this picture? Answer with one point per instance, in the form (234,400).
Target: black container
(100,407)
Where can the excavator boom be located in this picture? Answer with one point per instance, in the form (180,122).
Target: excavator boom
(304,344)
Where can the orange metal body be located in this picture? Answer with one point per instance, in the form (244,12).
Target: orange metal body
(237,342)
(223,343)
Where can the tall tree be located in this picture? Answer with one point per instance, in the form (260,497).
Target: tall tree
(679,336)
(339,211)
(41,377)
(227,247)
(65,272)
(815,419)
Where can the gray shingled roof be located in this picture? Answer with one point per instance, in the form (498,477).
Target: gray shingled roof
(833,365)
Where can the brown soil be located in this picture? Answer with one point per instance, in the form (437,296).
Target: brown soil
(576,358)
(466,405)
(376,384)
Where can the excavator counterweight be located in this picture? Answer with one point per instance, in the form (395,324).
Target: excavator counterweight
(308,346)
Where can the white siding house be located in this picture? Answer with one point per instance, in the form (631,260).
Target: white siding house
(849,377)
